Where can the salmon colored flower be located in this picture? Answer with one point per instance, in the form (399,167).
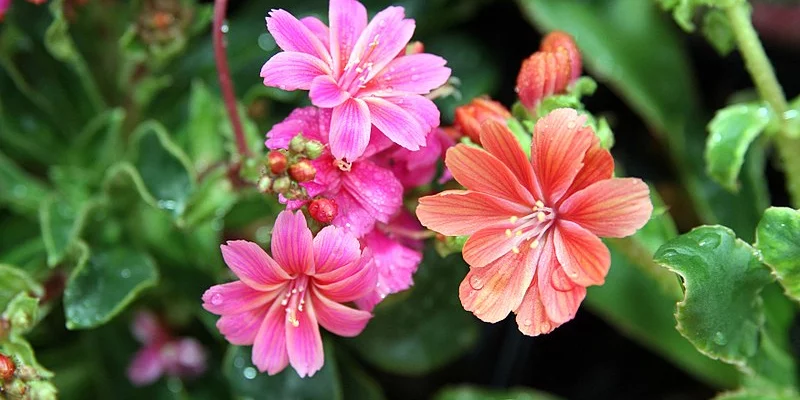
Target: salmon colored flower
(279,303)
(469,117)
(550,70)
(534,225)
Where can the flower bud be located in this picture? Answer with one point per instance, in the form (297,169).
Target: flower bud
(264,184)
(415,47)
(543,74)
(323,210)
(469,117)
(302,171)
(276,162)
(298,143)
(7,368)
(282,184)
(314,149)
(557,39)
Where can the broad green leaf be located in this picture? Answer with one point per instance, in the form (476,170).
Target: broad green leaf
(109,281)
(211,201)
(730,134)
(247,382)
(164,169)
(778,239)
(406,336)
(18,190)
(61,224)
(465,392)
(722,311)
(756,394)
(203,137)
(14,281)
(23,354)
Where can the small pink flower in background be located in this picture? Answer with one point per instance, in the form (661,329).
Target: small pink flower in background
(162,353)
(279,303)
(415,168)
(354,69)
(534,224)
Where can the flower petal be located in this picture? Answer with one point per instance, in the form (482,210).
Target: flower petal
(382,40)
(241,329)
(305,120)
(353,217)
(234,298)
(415,73)
(610,208)
(269,347)
(304,342)
(560,306)
(326,93)
(292,244)
(253,265)
(396,123)
(489,244)
(334,248)
(318,28)
(290,70)
(463,212)
(350,129)
(492,292)
(480,171)
(597,165)
(559,144)
(395,265)
(348,19)
(147,328)
(337,318)
(421,108)
(351,282)
(584,258)
(498,140)
(532,319)
(291,35)
(375,189)
(146,366)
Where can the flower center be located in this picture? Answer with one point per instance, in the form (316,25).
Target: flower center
(530,227)
(294,299)
(356,73)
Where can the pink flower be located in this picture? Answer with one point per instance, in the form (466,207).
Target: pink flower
(415,168)
(4,4)
(364,194)
(353,68)
(163,354)
(534,225)
(279,303)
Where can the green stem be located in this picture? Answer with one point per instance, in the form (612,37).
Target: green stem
(770,90)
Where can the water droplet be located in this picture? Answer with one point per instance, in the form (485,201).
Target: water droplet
(720,339)
(216,299)
(238,362)
(167,204)
(250,373)
(476,282)
(710,241)
(669,253)
(125,273)
(527,322)
(545,327)
(224,28)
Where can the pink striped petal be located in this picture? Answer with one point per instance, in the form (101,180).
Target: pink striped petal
(348,19)
(610,208)
(305,120)
(289,70)
(337,318)
(146,366)
(292,244)
(395,265)
(252,265)
(416,73)
(353,217)
(269,347)
(234,298)
(304,342)
(480,171)
(532,319)
(421,108)
(351,282)
(241,329)
(350,129)
(291,35)
(375,189)
(584,258)
(318,28)
(333,249)
(382,40)
(560,306)
(397,123)
(326,93)
(463,212)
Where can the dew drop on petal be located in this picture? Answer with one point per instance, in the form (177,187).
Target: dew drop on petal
(216,299)
(527,322)
(476,282)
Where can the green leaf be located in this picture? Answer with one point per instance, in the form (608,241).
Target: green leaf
(406,336)
(14,281)
(22,312)
(730,134)
(718,32)
(164,168)
(23,354)
(212,200)
(101,288)
(466,392)
(756,394)
(778,239)
(683,10)
(18,190)
(61,224)
(722,311)
(246,381)
(204,139)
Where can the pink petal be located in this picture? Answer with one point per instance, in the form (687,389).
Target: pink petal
(480,171)
(559,144)
(326,93)
(610,208)
(396,123)
(333,249)
(353,217)
(421,108)
(374,188)
(252,265)
(498,140)
(304,342)
(318,28)
(350,129)
(584,258)
(337,318)
(234,298)
(269,348)
(382,40)
(348,19)
(292,243)
(395,265)
(560,306)
(416,73)
(289,70)
(241,329)
(291,35)
(463,212)
(184,358)
(147,329)
(350,282)
(532,319)
(146,366)
(301,120)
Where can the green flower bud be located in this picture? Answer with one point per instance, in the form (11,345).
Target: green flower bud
(314,149)
(298,143)
(282,184)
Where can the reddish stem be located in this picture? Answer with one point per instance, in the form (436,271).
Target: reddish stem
(224,74)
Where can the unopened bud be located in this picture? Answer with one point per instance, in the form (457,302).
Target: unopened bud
(282,184)
(469,117)
(323,210)
(314,149)
(276,161)
(298,143)
(7,368)
(557,39)
(543,74)
(264,184)
(302,171)
(415,47)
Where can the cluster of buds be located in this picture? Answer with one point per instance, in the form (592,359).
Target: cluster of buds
(284,170)
(7,368)
(161,21)
(550,70)
(22,381)
(469,117)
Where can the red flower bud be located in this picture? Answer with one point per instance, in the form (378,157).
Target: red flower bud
(323,210)
(302,171)
(7,367)
(469,117)
(276,162)
(557,39)
(543,74)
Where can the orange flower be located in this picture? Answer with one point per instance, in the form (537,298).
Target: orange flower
(469,117)
(550,70)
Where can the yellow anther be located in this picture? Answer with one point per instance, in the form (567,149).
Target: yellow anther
(535,243)
(508,232)
(518,233)
(540,216)
(515,249)
(539,204)
(514,219)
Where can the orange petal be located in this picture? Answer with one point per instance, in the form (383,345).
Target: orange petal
(582,255)
(559,305)
(480,171)
(488,245)
(597,165)
(557,39)
(610,208)
(532,319)
(461,212)
(498,140)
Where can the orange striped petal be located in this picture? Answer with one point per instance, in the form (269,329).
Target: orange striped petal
(498,140)
(480,171)
(597,165)
(583,256)
(557,39)
(461,212)
(559,305)
(610,208)
(532,319)
(543,74)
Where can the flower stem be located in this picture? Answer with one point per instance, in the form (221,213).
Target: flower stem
(769,89)
(224,75)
